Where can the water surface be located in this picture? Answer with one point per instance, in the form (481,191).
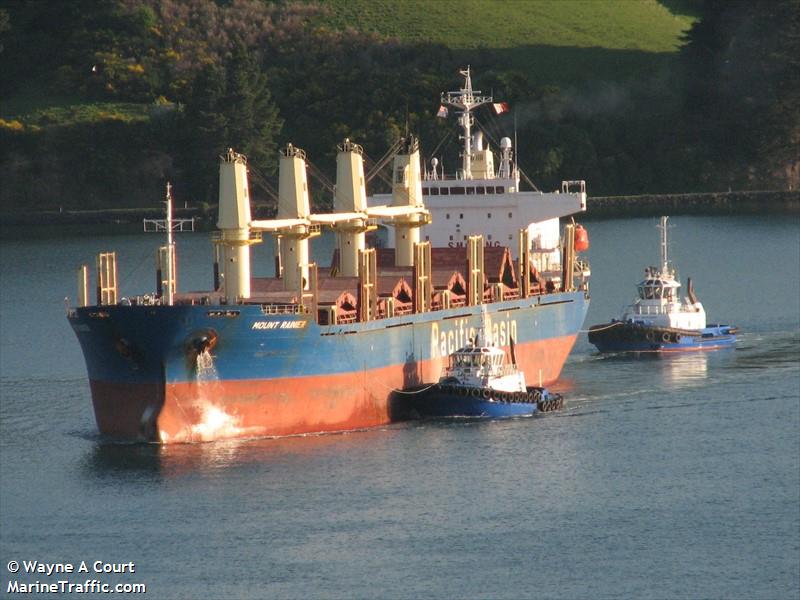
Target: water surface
(666,477)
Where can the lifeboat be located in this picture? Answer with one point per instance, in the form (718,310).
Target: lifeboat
(581,239)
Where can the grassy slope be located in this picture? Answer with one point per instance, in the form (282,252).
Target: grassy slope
(559,42)
(35,107)
(613,24)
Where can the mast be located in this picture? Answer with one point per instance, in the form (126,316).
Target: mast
(170,253)
(664,245)
(466,100)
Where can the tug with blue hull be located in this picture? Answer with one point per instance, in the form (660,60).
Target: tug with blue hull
(658,321)
(478,381)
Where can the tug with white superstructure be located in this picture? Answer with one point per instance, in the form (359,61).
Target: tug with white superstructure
(658,320)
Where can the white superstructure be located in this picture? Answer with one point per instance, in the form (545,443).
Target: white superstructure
(658,303)
(481,200)
(483,367)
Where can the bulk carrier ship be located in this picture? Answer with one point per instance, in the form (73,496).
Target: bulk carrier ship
(335,347)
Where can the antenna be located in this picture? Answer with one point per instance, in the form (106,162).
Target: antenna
(516,151)
(168,202)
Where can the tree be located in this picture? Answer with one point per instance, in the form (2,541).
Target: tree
(230,107)
(743,90)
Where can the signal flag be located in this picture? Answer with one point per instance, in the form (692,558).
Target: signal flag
(500,107)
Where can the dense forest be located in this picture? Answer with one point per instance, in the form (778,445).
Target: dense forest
(104,101)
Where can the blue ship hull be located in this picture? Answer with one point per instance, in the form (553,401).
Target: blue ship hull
(444,401)
(618,336)
(285,374)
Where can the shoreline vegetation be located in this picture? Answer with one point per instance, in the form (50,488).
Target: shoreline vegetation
(646,97)
(775,202)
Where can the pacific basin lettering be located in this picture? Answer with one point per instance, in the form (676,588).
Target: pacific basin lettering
(448,337)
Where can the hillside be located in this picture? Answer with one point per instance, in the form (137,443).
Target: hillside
(642,25)
(144,91)
(556,41)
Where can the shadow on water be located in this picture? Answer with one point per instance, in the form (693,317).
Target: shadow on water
(136,461)
(116,460)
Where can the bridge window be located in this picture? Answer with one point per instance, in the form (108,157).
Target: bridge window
(424,191)
(400,175)
(501,189)
(447,216)
(434,191)
(480,189)
(460,215)
(457,190)
(488,215)
(444,191)
(490,189)
(510,215)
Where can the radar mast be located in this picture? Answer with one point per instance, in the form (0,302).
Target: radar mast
(466,100)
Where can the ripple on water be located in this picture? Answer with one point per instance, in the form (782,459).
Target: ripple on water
(37,408)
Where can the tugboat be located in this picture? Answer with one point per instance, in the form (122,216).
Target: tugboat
(658,321)
(477,382)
